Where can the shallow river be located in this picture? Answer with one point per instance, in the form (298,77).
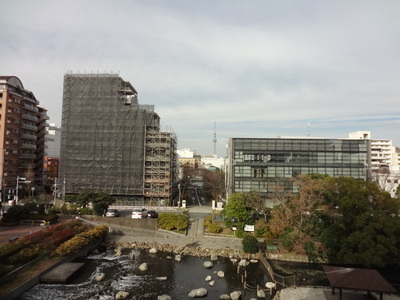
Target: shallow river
(122,273)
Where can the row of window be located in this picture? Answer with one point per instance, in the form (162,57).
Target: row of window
(263,186)
(272,172)
(300,144)
(301,157)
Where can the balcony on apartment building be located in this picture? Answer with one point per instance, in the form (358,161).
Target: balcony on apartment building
(28,126)
(29,117)
(31,108)
(28,146)
(28,136)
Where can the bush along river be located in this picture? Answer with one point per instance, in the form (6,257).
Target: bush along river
(139,274)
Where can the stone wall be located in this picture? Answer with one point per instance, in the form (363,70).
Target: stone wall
(184,250)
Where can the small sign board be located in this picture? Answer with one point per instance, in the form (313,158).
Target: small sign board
(249,228)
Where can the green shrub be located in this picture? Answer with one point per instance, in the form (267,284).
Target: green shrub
(172,221)
(214,228)
(8,249)
(32,207)
(41,209)
(53,210)
(24,255)
(48,218)
(16,213)
(80,241)
(69,209)
(250,244)
(240,233)
(207,221)
(86,211)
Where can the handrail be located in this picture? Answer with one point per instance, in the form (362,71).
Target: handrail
(276,278)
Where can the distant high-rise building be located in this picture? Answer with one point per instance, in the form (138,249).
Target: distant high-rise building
(22,129)
(52,140)
(52,151)
(111,143)
(385,169)
(189,158)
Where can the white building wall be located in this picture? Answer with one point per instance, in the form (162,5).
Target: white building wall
(186,153)
(213,160)
(381,149)
(52,141)
(384,161)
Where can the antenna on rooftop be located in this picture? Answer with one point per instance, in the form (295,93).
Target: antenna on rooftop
(215,139)
(308,129)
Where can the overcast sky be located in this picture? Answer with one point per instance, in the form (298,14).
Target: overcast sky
(256,68)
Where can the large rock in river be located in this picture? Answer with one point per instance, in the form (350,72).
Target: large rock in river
(121,295)
(143,267)
(236,295)
(196,293)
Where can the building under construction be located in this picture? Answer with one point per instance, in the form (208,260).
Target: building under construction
(111,143)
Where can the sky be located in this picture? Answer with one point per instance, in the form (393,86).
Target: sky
(229,68)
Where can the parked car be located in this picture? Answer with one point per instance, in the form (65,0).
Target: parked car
(139,213)
(152,214)
(112,213)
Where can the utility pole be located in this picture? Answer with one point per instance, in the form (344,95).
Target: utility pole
(3,196)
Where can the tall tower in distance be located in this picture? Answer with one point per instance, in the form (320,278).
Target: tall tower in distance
(215,139)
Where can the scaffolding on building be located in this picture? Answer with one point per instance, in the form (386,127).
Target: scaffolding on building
(160,166)
(104,139)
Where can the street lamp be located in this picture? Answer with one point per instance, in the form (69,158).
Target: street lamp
(179,194)
(270,285)
(23,180)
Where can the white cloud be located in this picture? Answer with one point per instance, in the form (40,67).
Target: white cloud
(256,68)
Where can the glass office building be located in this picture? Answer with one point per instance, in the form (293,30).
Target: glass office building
(266,165)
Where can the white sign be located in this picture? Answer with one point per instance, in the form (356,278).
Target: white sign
(249,228)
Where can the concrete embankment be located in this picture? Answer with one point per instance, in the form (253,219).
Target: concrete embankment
(15,293)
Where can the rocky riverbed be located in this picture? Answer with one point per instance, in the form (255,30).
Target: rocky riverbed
(190,250)
(151,271)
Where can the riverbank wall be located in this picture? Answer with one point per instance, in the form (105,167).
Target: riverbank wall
(19,290)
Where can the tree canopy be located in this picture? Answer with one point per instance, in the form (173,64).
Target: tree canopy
(339,219)
(236,210)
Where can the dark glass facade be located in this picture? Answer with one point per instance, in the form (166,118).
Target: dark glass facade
(267,164)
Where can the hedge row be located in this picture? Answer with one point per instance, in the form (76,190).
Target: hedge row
(173,222)
(80,241)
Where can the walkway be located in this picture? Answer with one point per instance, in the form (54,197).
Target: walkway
(325,293)
(194,237)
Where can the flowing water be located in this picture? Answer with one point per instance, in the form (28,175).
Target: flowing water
(163,276)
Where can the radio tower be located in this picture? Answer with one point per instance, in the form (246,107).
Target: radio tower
(215,140)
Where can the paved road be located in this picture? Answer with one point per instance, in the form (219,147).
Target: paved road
(312,293)
(8,233)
